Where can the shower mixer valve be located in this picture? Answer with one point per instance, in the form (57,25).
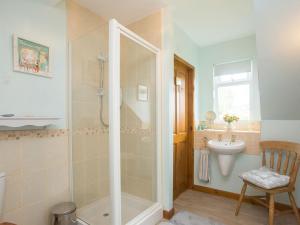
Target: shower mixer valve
(100,92)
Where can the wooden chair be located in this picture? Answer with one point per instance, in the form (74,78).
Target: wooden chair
(288,162)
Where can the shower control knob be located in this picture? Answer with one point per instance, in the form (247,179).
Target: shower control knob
(100,92)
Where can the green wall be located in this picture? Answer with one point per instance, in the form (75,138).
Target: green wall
(25,94)
(224,52)
(208,56)
(188,50)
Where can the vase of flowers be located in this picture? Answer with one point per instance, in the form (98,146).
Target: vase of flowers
(229,119)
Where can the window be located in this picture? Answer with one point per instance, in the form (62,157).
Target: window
(236,91)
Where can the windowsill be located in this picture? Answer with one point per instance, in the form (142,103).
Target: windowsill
(233,131)
(240,127)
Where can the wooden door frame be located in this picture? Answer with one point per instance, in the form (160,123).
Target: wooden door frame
(191,123)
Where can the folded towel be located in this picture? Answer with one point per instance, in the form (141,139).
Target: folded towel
(204,166)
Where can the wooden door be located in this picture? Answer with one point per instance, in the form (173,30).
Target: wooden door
(181,132)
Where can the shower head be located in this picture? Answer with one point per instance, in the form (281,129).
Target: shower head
(102,58)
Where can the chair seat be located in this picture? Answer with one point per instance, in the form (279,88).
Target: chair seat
(266,178)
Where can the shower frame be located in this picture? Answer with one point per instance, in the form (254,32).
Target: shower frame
(153,214)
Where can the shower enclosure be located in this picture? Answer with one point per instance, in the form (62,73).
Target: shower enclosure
(115,159)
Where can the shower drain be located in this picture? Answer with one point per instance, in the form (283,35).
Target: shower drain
(105,214)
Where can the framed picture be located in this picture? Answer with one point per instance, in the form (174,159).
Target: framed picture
(31,57)
(142,93)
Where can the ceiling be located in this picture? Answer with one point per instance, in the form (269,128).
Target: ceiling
(206,22)
(209,22)
(125,11)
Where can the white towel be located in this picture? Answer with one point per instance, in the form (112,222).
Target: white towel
(204,165)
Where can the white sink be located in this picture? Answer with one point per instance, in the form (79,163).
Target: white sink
(226,151)
(226,147)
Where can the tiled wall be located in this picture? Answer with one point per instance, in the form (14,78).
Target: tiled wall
(251,139)
(150,28)
(37,168)
(90,166)
(239,126)
(138,121)
(138,164)
(138,132)
(90,140)
(88,37)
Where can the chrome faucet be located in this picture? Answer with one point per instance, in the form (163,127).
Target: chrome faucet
(233,138)
(205,140)
(219,137)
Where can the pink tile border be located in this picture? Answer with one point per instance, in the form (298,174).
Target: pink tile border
(17,135)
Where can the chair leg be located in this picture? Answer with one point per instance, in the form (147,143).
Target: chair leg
(241,199)
(271,209)
(267,198)
(294,206)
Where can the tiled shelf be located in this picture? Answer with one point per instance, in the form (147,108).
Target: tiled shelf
(18,121)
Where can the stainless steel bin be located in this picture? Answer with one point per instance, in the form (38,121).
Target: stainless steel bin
(64,214)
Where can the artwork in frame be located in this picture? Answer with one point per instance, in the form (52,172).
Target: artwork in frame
(31,57)
(142,93)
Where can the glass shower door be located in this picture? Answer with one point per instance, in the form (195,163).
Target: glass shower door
(134,126)
(89,134)
(138,128)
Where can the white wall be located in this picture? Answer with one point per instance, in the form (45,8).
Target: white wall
(24,94)
(278,45)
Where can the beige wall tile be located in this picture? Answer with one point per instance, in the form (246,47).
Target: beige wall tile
(36,214)
(38,177)
(34,188)
(153,35)
(34,154)
(140,188)
(78,148)
(90,151)
(10,156)
(79,175)
(13,193)
(58,180)
(93,146)
(251,138)
(81,20)
(90,168)
(14,216)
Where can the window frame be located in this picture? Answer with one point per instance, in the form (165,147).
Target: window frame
(250,81)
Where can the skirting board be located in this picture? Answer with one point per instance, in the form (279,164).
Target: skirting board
(168,214)
(235,196)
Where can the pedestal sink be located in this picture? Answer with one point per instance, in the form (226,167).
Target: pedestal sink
(226,151)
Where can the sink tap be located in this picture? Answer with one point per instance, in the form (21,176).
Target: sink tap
(233,138)
(205,140)
(219,137)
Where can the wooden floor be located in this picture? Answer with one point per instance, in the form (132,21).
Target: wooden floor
(222,210)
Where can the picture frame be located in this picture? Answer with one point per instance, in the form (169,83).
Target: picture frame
(31,57)
(142,93)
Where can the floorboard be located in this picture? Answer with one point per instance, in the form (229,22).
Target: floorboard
(222,209)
